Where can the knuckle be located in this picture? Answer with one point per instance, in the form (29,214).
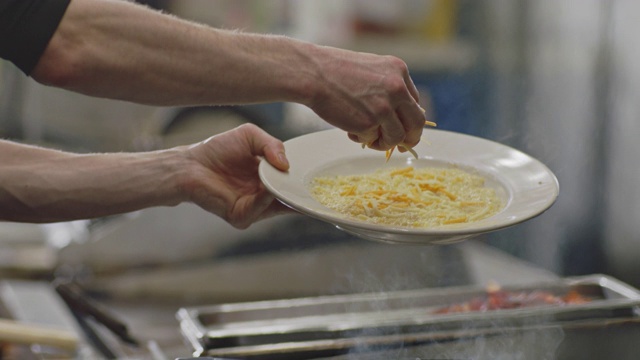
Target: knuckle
(250,127)
(415,124)
(381,107)
(398,64)
(361,123)
(396,86)
(411,141)
(394,138)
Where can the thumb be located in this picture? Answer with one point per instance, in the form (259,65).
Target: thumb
(271,148)
(277,157)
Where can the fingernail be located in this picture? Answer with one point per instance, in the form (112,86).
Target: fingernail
(283,159)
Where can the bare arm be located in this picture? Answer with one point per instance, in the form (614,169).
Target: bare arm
(117,49)
(43,185)
(219,175)
(120,50)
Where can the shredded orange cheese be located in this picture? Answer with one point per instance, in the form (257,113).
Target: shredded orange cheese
(406,148)
(410,197)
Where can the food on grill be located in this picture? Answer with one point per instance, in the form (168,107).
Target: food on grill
(502,299)
(409,197)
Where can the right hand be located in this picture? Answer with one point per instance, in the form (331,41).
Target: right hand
(372,97)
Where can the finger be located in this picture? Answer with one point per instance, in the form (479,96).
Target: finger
(392,134)
(412,119)
(265,207)
(262,202)
(411,86)
(276,208)
(408,81)
(275,155)
(263,144)
(250,208)
(366,137)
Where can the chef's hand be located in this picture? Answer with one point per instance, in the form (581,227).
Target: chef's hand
(371,97)
(227,183)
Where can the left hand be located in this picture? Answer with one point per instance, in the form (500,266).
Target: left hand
(227,183)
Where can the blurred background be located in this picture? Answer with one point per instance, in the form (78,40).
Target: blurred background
(558,80)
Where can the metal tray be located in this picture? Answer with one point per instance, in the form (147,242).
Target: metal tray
(331,324)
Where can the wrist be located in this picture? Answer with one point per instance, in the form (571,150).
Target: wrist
(181,170)
(303,80)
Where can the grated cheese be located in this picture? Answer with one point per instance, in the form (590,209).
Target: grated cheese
(409,197)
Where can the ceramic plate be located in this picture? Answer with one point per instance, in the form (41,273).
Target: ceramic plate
(525,185)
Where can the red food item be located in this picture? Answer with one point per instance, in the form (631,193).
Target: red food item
(573,297)
(496,299)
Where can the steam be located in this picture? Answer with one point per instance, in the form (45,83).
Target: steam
(535,343)
(437,267)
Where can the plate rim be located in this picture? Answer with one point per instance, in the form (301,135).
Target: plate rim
(334,219)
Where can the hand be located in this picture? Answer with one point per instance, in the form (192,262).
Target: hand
(226,182)
(371,97)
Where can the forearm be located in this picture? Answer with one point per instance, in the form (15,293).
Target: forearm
(116,49)
(120,50)
(13,153)
(63,186)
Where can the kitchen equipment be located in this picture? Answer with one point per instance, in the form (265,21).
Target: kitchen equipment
(41,324)
(82,306)
(403,321)
(17,332)
(525,185)
(44,320)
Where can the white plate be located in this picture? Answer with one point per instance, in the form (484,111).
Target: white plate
(526,186)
